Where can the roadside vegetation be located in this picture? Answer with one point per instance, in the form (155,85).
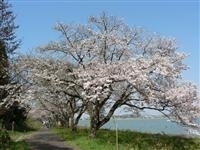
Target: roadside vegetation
(19,145)
(127,140)
(9,140)
(12,112)
(14,140)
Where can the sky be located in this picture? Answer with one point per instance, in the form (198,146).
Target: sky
(174,18)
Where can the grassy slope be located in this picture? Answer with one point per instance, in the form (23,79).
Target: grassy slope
(128,140)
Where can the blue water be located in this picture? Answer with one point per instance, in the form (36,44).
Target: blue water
(143,125)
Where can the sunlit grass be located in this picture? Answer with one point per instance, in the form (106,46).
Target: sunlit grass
(128,140)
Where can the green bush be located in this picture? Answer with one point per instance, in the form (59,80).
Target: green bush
(4,139)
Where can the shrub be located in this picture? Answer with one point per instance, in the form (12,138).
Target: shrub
(4,139)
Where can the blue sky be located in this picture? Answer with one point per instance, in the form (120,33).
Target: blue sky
(176,18)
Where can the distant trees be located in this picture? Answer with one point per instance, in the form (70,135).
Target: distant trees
(115,65)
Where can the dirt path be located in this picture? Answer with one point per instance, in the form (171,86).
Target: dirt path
(45,139)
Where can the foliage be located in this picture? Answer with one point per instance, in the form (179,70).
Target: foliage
(4,79)
(19,145)
(7,143)
(17,141)
(14,117)
(9,139)
(3,68)
(4,138)
(8,27)
(128,140)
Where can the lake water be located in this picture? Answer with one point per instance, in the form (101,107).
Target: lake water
(144,125)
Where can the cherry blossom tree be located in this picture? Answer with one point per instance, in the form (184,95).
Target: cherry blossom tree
(13,102)
(117,65)
(52,89)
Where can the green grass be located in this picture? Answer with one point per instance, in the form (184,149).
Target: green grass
(19,145)
(128,140)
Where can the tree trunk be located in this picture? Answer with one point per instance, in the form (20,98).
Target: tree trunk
(72,124)
(93,128)
(64,123)
(13,126)
(74,128)
(94,123)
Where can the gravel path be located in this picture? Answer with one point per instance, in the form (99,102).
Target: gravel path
(45,139)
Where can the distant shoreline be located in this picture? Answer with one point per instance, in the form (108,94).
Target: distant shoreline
(116,118)
(139,118)
(150,125)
